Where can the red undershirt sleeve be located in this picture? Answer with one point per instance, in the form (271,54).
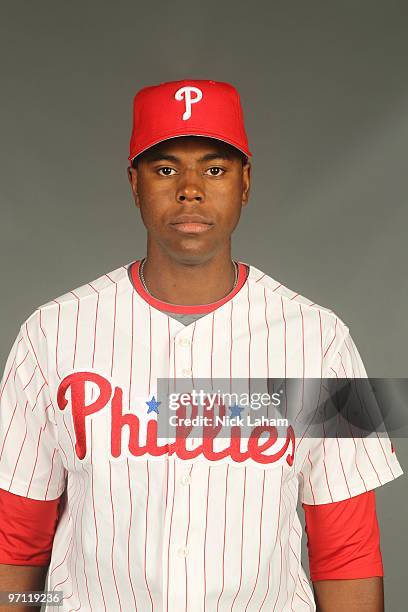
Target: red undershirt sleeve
(343,539)
(27,529)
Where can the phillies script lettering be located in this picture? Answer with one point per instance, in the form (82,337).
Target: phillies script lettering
(256,449)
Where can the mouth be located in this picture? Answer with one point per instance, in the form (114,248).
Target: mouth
(191,228)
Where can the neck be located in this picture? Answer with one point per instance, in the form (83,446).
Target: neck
(189,283)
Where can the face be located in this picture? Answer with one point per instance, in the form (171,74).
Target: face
(190,192)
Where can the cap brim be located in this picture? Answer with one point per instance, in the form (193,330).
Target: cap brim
(246,152)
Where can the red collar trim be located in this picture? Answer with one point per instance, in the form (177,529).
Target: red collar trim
(181,308)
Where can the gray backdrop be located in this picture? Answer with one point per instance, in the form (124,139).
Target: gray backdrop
(325,94)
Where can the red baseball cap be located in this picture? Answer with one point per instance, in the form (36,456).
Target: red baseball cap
(187,108)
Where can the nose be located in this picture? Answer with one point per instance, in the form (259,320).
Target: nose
(190,189)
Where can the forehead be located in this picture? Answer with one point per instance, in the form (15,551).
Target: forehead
(191,146)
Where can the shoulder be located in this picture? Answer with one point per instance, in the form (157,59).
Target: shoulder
(103,287)
(295,305)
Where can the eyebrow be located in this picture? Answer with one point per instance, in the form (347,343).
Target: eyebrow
(173,158)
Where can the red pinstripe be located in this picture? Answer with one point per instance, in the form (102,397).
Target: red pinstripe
(274,546)
(285,351)
(57,341)
(223,547)
(12,369)
(146,532)
(303,358)
(52,467)
(324,462)
(41,327)
(21,447)
(20,364)
(267,334)
(113,533)
(280,546)
(96,525)
(36,399)
(171,523)
(299,581)
(260,542)
(267,590)
(310,482)
(35,354)
(304,600)
(31,378)
(36,459)
(69,547)
(82,541)
(76,558)
(130,526)
(8,429)
(288,551)
(293,528)
(242,538)
(188,529)
(249,341)
(205,532)
(76,329)
(114,327)
(341,462)
(96,322)
(72,443)
(333,339)
(191,352)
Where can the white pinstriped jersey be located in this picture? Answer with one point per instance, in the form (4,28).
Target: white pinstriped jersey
(161,533)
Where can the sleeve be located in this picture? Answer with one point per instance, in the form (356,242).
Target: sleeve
(338,467)
(27,529)
(30,461)
(343,539)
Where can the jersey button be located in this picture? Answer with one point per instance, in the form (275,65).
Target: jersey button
(184,342)
(186,372)
(182,551)
(186,479)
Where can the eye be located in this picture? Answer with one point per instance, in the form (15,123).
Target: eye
(165,171)
(215,171)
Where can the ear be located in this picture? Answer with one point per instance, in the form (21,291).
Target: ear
(132,177)
(246,182)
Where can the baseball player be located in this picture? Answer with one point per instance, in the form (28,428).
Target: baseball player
(122,518)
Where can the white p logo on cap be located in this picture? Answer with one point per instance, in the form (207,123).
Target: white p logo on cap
(185,93)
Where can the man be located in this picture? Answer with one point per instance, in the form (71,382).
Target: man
(146,524)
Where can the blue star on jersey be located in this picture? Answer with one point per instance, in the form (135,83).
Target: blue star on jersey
(153,405)
(236,411)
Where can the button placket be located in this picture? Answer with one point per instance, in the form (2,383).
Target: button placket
(182,552)
(186,479)
(178,513)
(183,356)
